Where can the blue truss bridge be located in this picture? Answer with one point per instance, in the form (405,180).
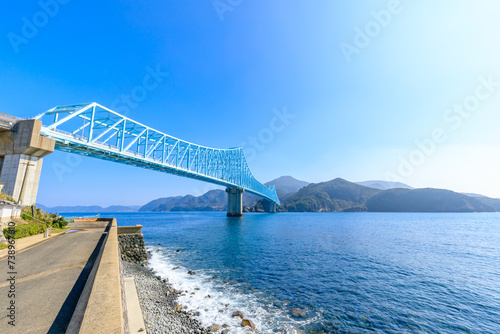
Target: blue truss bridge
(93,130)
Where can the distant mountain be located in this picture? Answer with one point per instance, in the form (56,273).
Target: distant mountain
(92,208)
(384,185)
(152,205)
(332,196)
(340,195)
(473,195)
(286,186)
(425,200)
(41,206)
(337,195)
(493,202)
(214,200)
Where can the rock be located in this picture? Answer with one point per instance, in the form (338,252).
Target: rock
(178,251)
(215,328)
(248,323)
(208,296)
(178,307)
(225,331)
(298,313)
(237,314)
(298,331)
(132,248)
(192,293)
(225,326)
(175,268)
(191,272)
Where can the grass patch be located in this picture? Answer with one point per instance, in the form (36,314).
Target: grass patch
(3,246)
(5,197)
(58,230)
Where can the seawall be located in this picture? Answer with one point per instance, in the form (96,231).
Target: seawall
(132,246)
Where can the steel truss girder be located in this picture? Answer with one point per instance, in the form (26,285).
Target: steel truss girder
(142,146)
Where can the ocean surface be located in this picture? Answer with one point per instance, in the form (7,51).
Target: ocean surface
(349,272)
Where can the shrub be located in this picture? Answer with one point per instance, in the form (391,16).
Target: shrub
(26,217)
(5,197)
(59,222)
(41,216)
(24,230)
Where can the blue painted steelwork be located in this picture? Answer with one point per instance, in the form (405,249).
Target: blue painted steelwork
(93,130)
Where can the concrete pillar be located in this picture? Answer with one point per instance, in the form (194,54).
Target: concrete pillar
(21,152)
(272,207)
(21,174)
(234,202)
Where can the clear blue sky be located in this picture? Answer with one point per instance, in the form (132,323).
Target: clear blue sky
(359,101)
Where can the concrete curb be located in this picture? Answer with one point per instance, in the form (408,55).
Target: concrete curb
(100,308)
(135,318)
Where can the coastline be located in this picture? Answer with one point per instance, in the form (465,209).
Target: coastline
(164,311)
(159,304)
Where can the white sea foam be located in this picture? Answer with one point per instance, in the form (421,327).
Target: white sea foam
(224,298)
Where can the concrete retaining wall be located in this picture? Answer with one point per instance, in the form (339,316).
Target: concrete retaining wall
(132,246)
(137,229)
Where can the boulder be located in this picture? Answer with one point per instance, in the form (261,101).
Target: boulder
(215,328)
(248,323)
(298,313)
(298,331)
(238,314)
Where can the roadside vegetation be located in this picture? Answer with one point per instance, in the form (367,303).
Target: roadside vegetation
(31,225)
(5,197)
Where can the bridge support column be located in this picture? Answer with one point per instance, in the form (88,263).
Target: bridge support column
(272,207)
(234,202)
(21,152)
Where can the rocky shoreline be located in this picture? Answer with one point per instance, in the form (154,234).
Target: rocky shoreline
(159,303)
(161,311)
(158,299)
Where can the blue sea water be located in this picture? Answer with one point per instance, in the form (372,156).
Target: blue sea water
(349,272)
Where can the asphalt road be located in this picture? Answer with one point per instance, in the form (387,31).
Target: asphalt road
(48,283)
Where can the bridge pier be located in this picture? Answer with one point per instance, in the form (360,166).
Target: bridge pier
(21,151)
(234,202)
(272,207)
